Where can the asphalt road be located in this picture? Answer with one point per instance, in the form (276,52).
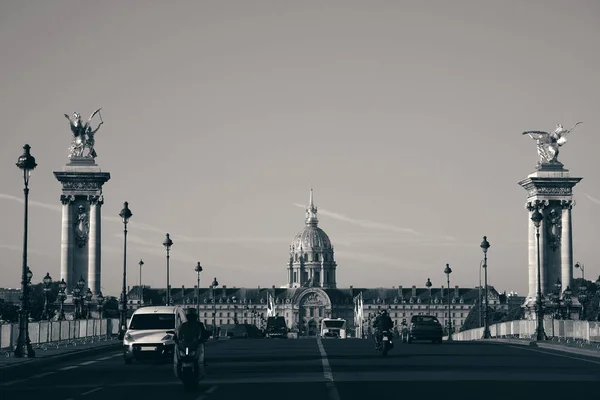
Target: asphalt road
(326,370)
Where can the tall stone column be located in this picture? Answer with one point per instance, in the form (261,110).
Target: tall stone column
(66,241)
(95,244)
(550,189)
(82,182)
(566,261)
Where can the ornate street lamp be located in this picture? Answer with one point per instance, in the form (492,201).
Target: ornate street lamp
(47,282)
(76,292)
(568,300)
(62,296)
(26,163)
(579,265)
(214,301)
(141,287)
(582,296)
(198,269)
(448,271)
(485,245)
(537,218)
(168,243)
(125,214)
(100,300)
(88,300)
(428,284)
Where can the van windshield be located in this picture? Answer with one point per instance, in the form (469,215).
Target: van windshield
(153,321)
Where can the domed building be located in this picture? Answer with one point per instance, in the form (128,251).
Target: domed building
(311,294)
(312,262)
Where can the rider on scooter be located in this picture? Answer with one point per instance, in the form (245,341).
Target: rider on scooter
(382,323)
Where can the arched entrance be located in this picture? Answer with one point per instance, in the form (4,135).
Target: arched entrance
(312,328)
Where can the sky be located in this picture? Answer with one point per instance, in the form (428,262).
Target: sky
(405,117)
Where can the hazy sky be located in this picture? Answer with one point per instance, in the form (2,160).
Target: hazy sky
(405,116)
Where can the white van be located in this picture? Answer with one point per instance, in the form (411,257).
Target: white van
(146,335)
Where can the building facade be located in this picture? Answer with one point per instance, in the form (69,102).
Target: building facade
(311,294)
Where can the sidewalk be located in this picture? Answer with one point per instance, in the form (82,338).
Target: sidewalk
(54,354)
(592,349)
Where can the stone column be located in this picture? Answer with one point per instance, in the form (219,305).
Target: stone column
(532,254)
(66,241)
(543,266)
(94,244)
(566,245)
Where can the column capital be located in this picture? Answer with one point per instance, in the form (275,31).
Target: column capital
(567,204)
(539,204)
(66,199)
(96,199)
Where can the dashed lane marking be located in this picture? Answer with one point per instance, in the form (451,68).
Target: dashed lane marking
(42,374)
(210,389)
(88,362)
(105,358)
(91,391)
(329,382)
(13,382)
(68,368)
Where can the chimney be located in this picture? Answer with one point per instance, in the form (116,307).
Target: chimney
(224,291)
(128,289)
(259,287)
(400,292)
(456,292)
(414,291)
(273,286)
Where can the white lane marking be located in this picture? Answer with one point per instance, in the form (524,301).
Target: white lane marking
(201,397)
(13,382)
(210,389)
(88,362)
(91,391)
(67,368)
(330,383)
(42,374)
(105,358)
(555,354)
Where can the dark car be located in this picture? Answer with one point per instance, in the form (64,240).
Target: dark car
(276,328)
(425,327)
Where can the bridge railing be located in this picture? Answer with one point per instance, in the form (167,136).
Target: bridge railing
(59,332)
(588,331)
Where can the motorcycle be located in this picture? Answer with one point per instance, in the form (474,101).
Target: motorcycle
(386,343)
(188,361)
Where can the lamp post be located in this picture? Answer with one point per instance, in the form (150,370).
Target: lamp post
(480,301)
(582,296)
(141,287)
(26,163)
(537,218)
(198,269)
(168,243)
(88,300)
(125,214)
(100,299)
(428,285)
(47,282)
(62,296)
(568,300)
(235,321)
(485,245)
(448,271)
(214,301)
(580,266)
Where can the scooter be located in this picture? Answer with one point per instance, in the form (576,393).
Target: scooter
(386,343)
(188,361)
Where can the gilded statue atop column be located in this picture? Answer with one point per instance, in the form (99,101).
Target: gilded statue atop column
(83,136)
(548,143)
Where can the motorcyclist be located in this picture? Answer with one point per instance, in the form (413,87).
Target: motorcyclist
(382,323)
(192,329)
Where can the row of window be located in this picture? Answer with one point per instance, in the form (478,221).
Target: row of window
(315,257)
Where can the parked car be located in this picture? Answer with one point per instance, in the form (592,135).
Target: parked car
(147,336)
(425,327)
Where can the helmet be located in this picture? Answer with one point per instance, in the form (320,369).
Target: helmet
(191,314)
(383,312)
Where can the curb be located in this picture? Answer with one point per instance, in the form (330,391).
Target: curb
(565,349)
(519,342)
(22,368)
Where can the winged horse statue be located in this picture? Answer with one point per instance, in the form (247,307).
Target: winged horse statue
(83,135)
(548,143)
